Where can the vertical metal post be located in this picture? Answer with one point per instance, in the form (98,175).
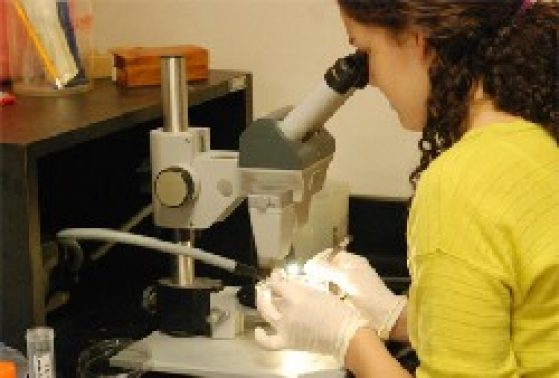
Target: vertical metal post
(175,117)
(183,270)
(174,93)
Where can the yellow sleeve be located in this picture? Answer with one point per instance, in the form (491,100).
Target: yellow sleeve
(483,256)
(462,320)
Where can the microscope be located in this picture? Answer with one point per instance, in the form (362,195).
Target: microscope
(281,163)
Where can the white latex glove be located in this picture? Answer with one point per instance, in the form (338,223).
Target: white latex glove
(306,318)
(363,286)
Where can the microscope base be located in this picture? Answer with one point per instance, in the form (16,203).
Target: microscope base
(240,357)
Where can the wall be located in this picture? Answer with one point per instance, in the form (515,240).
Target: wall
(287,45)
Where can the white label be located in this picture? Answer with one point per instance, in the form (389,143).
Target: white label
(42,366)
(237,84)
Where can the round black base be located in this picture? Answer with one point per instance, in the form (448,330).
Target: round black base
(183,311)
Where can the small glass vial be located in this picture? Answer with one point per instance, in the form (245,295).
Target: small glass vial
(40,352)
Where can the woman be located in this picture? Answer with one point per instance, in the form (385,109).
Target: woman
(480,80)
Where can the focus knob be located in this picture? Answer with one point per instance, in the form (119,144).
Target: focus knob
(174,187)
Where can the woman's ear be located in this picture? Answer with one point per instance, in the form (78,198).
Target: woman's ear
(415,43)
(420,43)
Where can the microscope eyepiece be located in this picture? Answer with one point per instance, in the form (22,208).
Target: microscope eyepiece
(349,72)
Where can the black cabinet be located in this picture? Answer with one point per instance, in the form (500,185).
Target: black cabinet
(83,161)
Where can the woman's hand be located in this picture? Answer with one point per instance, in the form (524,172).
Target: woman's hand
(305,318)
(363,286)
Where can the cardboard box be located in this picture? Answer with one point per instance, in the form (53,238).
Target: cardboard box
(138,66)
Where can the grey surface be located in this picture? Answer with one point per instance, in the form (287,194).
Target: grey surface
(263,145)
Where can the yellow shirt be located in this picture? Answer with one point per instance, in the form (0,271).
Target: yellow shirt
(483,238)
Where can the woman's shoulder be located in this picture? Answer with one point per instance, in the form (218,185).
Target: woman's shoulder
(492,169)
(497,151)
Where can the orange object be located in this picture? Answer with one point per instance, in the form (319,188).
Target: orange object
(139,66)
(7,369)
(4,66)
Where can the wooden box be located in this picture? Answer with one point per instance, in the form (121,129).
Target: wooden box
(138,66)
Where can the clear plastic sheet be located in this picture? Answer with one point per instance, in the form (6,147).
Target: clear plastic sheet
(94,362)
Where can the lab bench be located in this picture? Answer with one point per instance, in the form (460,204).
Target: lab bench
(83,161)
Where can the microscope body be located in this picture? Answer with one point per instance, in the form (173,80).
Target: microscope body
(195,187)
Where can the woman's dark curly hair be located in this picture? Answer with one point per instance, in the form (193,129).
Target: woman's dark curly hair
(513,54)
